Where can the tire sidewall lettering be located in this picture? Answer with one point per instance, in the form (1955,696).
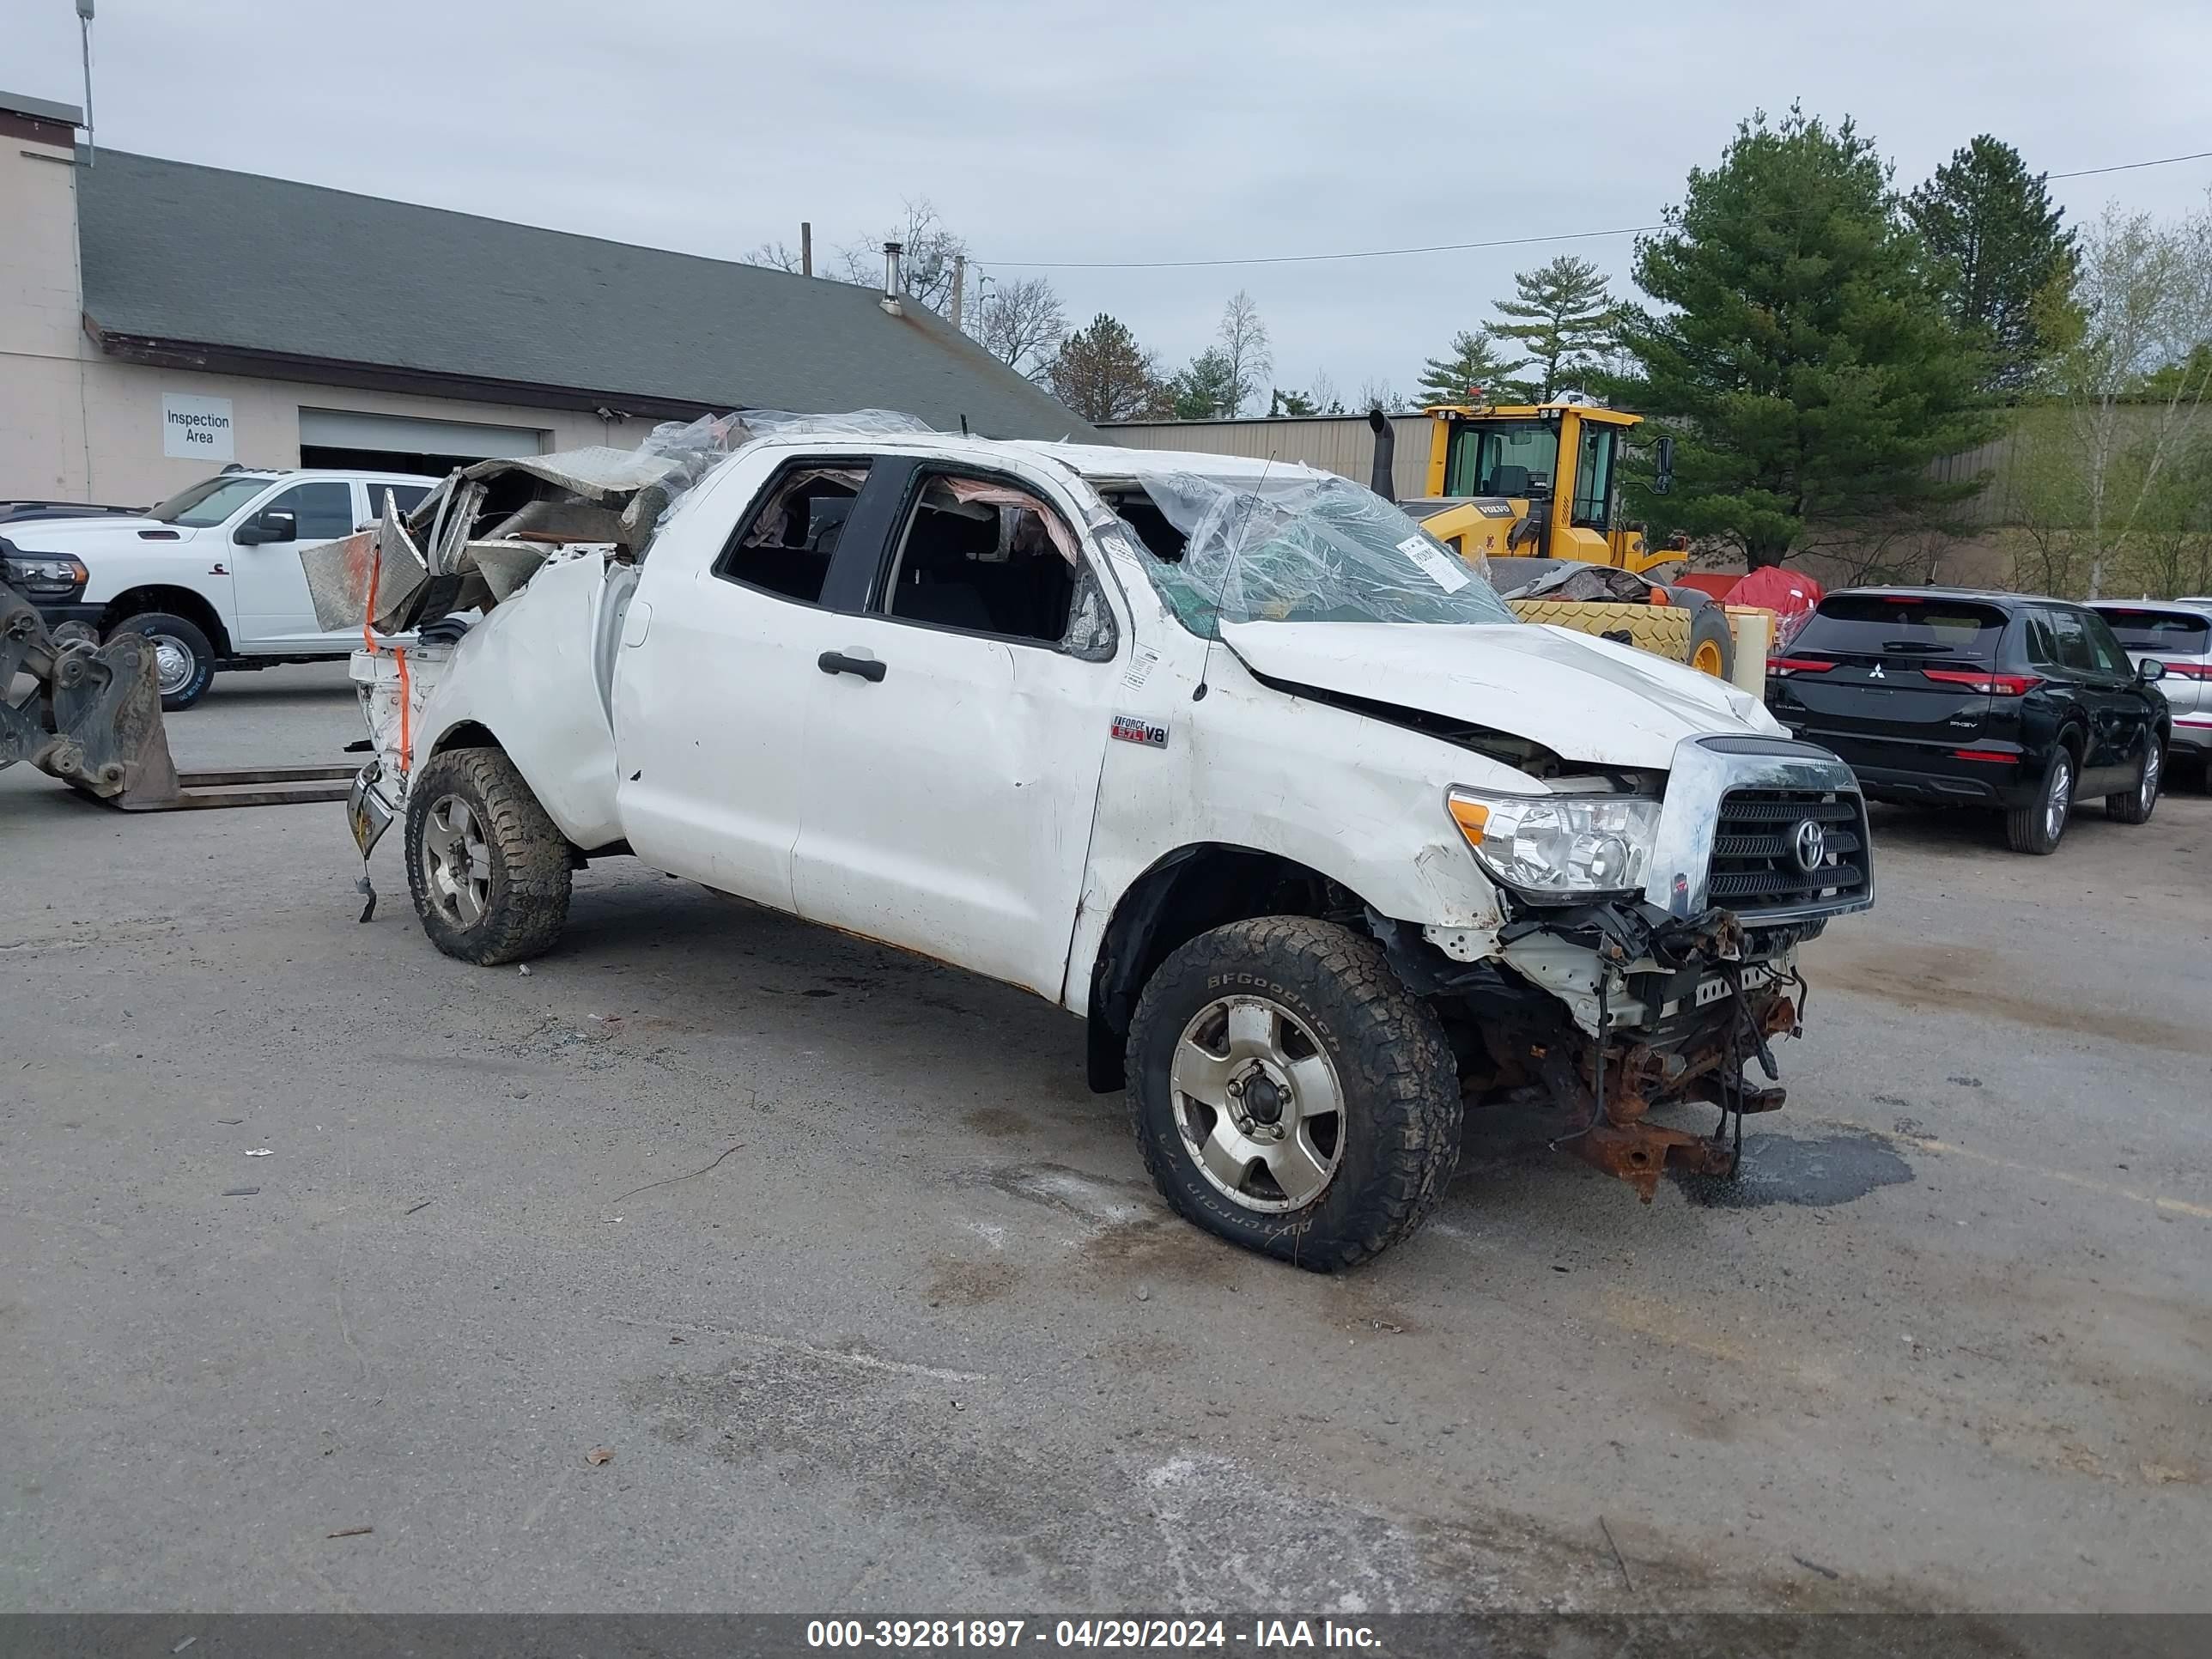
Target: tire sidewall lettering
(1291,997)
(1186,989)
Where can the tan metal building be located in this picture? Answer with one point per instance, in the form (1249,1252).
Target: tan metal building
(1335,443)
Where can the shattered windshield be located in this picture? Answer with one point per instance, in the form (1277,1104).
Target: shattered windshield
(1301,548)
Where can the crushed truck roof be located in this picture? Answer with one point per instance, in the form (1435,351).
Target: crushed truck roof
(468,542)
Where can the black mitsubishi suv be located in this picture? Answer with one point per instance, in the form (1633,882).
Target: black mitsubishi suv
(1944,697)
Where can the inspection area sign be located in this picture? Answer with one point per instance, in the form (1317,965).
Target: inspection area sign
(195,429)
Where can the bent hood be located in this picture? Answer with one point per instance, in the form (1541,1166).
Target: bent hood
(1583,698)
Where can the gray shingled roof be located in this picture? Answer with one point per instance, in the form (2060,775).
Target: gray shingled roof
(179,252)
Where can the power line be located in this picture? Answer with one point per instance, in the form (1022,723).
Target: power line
(1453,247)
(1309,259)
(2130,167)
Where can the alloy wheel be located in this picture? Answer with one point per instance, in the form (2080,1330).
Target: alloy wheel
(2060,798)
(456,862)
(1258,1103)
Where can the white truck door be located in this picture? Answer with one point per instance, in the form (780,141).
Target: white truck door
(716,664)
(268,583)
(954,743)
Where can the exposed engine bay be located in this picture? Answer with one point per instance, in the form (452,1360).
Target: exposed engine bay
(1609,1011)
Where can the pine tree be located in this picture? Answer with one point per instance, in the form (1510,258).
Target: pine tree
(1996,239)
(1474,372)
(1102,373)
(1564,319)
(1208,389)
(1803,363)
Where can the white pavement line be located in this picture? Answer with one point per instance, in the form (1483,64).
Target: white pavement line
(864,1361)
(1951,1149)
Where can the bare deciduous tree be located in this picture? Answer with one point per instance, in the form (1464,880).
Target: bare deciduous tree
(931,253)
(776,255)
(1379,394)
(1020,323)
(2141,304)
(2049,486)
(2173,551)
(1244,348)
(1903,553)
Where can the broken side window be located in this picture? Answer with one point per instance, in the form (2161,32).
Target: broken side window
(784,545)
(989,557)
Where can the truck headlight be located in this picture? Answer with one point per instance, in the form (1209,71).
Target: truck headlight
(43,576)
(1559,846)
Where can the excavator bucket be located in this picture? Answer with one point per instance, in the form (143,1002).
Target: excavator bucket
(93,718)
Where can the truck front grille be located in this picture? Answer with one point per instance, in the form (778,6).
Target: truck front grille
(1757,864)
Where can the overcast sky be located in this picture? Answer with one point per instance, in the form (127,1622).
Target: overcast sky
(1076,131)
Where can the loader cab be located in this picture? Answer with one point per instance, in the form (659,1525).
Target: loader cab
(1517,459)
(1558,462)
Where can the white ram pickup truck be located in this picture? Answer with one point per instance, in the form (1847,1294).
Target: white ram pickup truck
(1234,762)
(212,575)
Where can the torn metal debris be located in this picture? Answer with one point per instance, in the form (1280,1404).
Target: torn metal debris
(478,539)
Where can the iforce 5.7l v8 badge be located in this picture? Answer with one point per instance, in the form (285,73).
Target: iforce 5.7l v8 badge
(1128,728)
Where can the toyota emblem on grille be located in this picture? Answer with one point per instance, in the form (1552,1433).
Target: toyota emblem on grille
(1810,844)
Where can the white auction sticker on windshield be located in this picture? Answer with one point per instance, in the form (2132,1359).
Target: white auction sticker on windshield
(1442,569)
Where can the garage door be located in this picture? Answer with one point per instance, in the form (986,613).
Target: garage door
(403,434)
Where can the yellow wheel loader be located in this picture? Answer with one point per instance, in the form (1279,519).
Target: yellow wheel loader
(1557,466)
(1531,492)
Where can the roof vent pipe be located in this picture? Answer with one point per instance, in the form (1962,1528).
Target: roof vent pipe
(894,283)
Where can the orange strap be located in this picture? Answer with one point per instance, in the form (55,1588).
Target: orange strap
(406,714)
(400,656)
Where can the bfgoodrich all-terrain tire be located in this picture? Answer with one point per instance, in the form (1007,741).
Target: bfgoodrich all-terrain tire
(2039,826)
(1290,1094)
(488,870)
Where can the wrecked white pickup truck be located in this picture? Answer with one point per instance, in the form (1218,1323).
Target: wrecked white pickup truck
(1234,762)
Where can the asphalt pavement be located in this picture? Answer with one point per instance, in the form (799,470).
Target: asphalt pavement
(721,1262)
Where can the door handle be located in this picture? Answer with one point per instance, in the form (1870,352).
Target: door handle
(837,662)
